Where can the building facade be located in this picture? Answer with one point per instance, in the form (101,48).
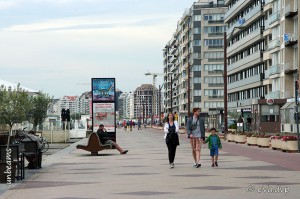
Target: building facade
(262,56)
(193,62)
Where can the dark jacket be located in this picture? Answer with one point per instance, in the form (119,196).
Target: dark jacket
(201,124)
(103,136)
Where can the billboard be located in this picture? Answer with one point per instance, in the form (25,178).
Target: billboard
(104,113)
(103,89)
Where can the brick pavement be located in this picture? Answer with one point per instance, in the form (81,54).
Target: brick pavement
(144,172)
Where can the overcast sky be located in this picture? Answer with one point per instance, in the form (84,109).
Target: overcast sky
(57,46)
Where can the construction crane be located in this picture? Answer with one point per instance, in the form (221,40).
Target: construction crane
(154,91)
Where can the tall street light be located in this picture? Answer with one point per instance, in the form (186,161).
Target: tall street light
(225,78)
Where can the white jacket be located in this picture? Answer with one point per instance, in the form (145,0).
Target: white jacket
(166,128)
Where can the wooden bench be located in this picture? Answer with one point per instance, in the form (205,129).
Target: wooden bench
(94,145)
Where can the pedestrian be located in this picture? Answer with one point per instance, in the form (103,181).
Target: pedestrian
(249,120)
(105,139)
(139,125)
(171,137)
(196,132)
(214,144)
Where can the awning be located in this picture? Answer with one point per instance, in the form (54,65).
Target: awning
(288,105)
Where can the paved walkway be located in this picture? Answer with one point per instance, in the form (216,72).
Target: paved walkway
(243,172)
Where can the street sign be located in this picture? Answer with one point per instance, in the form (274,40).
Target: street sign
(241,21)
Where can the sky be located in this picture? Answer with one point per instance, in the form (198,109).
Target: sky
(57,46)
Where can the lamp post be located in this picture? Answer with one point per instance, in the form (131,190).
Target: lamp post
(225,87)
(225,78)
(296,110)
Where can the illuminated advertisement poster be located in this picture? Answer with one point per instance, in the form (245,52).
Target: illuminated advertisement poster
(103,89)
(104,113)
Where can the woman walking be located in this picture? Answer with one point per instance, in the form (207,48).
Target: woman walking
(171,129)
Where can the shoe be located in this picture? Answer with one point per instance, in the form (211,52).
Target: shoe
(216,163)
(124,152)
(213,165)
(172,165)
(195,164)
(198,165)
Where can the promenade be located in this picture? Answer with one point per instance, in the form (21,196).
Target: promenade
(243,172)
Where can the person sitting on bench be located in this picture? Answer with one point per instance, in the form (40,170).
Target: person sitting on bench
(105,139)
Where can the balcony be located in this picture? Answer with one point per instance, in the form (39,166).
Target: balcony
(247,17)
(290,68)
(290,39)
(276,69)
(273,95)
(244,82)
(274,44)
(241,43)
(274,17)
(289,11)
(233,8)
(244,61)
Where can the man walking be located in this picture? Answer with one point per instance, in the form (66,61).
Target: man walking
(196,132)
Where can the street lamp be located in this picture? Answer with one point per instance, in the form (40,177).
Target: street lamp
(225,79)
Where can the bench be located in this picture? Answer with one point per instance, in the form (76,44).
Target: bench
(94,145)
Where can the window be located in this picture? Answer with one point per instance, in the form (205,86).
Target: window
(197,42)
(197,80)
(197,92)
(213,67)
(197,17)
(197,30)
(196,67)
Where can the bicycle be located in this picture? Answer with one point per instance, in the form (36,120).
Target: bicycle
(44,144)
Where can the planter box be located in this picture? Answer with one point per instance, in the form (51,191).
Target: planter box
(275,144)
(263,142)
(240,138)
(252,141)
(230,137)
(290,146)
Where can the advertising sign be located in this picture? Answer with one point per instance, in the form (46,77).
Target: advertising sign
(104,113)
(103,89)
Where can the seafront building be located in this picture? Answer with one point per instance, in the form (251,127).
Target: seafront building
(262,56)
(193,62)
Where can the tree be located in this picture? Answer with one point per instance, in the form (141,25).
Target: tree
(38,109)
(14,106)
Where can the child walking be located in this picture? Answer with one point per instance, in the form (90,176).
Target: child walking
(214,144)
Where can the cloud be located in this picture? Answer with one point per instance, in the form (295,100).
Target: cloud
(7,4)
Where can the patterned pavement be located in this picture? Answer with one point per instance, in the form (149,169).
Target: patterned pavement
(243,172)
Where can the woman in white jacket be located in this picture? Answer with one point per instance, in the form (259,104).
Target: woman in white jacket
(171,130)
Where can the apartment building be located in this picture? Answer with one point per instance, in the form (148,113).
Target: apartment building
(262,57)
(143,103)
(193,61)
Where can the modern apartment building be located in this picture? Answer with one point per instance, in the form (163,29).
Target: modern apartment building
(126,105)
(193,62)
(143,103)
(262,57)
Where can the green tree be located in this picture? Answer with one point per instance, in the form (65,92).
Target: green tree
(38,109)
(14,105)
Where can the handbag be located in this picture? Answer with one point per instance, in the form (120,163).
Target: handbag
(194,126)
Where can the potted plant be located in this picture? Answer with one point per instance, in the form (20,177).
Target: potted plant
(240,137)
(289,143)
(263,140)
(252,139)
(230,136)
(275,142)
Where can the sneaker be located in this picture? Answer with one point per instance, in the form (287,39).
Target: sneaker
(195,164)
(198,165)
(172,165)
(213,165)
(216,163)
